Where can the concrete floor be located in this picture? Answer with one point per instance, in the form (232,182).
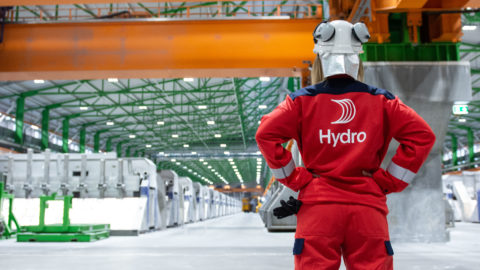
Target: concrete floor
(232,242)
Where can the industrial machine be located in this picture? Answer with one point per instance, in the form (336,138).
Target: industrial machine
(122,192)
(211,204)
(275,194)
(175,208)
(216,203)
(126,193)
(201,201)
(187,197)
(462,192)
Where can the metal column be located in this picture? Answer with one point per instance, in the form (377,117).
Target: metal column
(470,139)
(96,142)
(65,127)
(83,132)
(45,120)
(454,150)
(19,120)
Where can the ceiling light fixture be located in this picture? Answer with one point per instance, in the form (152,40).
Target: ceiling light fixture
(262,106)
(38,81)
(186,145)
(210,122)
(142,107)
(174,135)
(218,135)
(160,123)
(188,79)
(112,80)
(202,107)
(264,79)
(83,108)
(469,27)
(148,146)
(110,123)
(132,136)
(223,145)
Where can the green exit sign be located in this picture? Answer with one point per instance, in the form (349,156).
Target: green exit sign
(460,109)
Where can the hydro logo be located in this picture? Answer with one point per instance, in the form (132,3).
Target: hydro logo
(348,113)
(348,110)
(345,137)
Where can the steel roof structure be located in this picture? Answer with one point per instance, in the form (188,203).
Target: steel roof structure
(145,117)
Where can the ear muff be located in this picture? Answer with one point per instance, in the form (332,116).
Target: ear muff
(323,32)
(360,32)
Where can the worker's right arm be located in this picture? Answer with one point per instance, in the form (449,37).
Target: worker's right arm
(416,139)
(276,128)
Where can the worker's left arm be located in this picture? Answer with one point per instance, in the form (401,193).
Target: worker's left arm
(416,139)
(276,128)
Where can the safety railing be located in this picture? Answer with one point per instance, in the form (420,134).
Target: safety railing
(206,10)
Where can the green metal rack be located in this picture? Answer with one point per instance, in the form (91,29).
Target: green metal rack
(6,229)
(64,232)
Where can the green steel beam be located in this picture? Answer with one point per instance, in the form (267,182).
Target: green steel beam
(45,132)
(36,91)
(96,140)
(470,140)
(240,111)
(83,132)
(108,145)
(33,12)
(147,9)
(129,149)
(119,149)
(19,120)
(65,132)
(86,10)
(454,149)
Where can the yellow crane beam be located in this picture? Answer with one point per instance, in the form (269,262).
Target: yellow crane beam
(156,49)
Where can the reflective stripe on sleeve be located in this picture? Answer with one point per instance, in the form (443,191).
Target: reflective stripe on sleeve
(400,173)
(285,171)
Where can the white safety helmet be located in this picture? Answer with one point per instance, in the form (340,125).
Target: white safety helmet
(338,44)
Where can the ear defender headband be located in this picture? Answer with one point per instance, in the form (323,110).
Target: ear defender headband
(360,32)
(326,31)
(323,32)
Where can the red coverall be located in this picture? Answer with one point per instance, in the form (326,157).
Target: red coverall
(343,127)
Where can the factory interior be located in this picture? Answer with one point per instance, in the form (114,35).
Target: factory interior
(127,129)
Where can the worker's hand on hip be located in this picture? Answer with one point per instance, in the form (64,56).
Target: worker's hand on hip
(288,208)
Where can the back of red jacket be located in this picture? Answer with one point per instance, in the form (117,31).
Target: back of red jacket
(343,128)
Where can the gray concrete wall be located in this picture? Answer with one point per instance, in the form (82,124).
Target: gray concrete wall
(417,214)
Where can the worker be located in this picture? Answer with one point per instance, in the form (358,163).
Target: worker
(343,128)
